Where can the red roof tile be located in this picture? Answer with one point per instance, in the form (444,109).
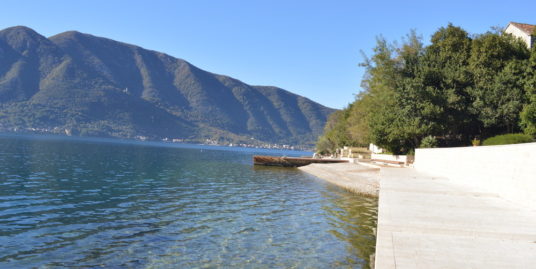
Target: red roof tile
(527,28)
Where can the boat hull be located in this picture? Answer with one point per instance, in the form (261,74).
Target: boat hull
(290,161)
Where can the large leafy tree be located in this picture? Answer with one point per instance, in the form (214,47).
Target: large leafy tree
(528,115)
(380,96)
(426,93)
(336,133)
(497,63)
(446,82)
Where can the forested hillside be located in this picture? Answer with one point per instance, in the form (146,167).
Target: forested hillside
(80,84)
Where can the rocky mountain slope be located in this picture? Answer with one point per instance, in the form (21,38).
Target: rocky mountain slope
(87,85)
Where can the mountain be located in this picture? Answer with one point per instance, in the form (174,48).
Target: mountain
(92,86)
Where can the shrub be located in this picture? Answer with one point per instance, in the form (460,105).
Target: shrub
(508,139)
(528,119)
(429,142)
(324,146)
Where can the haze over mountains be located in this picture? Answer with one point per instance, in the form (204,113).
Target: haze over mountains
(92,86)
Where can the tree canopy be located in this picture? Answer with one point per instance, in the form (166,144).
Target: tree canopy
(458,88)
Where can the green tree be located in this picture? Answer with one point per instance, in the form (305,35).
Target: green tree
(528,115)
(455,90)
(336,133)
(497,63)
(380,97)
(446,81)
(506,98)
(358,120)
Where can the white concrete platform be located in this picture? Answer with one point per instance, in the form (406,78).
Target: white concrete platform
(353,177)
(427,222)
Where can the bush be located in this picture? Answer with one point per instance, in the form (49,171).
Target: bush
(528,119)
(324,146)
(508,139)
(429,142)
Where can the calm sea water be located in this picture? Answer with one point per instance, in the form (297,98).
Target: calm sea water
(72,203)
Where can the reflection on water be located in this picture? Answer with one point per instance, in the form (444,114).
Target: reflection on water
(353,218)
(92,204)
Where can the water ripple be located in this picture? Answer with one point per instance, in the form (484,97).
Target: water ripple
(85,204)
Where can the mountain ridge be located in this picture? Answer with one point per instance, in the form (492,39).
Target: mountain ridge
(101,87)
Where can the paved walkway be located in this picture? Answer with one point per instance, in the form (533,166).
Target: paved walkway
(427,222)
(353,177)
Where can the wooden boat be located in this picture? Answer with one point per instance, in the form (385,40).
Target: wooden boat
(290,161)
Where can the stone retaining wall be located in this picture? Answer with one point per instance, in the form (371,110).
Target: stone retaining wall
(509,170)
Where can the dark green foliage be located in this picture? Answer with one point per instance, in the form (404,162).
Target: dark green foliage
(457,89)
(100,87)
(325,146)
(429,142)
(528,119)
(528,115)
(508,139)
(498,63)
(336,133)
(448,78)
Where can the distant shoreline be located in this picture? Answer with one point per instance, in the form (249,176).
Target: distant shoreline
(126,141)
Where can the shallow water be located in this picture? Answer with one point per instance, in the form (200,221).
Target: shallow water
(66,202)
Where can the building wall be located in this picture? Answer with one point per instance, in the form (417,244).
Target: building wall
(509,170)
(389,157)
(510,29)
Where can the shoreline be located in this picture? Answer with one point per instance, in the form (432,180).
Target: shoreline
(433,221)
(353,177)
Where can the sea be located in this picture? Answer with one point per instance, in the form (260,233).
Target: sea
(109,203)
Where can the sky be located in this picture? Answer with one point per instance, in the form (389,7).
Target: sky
(311,48)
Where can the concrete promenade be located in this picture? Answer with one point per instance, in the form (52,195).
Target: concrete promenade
(356,178)
(430,222)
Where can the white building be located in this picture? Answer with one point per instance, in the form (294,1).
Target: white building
(523,31)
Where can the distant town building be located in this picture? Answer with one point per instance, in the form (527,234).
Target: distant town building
(523,31)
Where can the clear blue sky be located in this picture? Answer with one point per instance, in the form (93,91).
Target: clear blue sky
(311,48)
